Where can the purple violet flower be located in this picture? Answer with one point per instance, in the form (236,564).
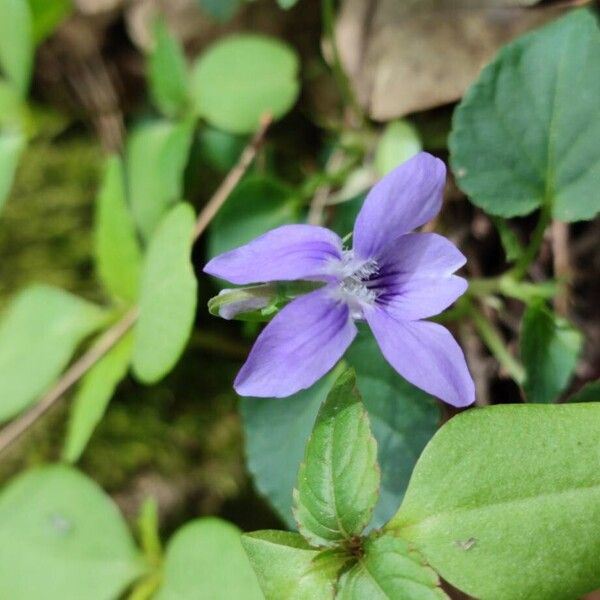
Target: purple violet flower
(391,278)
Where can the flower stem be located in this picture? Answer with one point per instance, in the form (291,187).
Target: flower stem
(522,264)
(493,340)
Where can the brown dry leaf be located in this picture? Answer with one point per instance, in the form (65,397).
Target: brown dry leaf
(404,56)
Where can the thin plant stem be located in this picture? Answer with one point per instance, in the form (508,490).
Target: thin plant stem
(11,432)
(522,265)
(493,340)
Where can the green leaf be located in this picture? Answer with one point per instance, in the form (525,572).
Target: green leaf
(504,502)
(220,150)
(222,10)
(168,73)
(509,240)
(399,142)
(241,78)
(205,561)
(287,567)
(276,434)
(62,537)
(550,347)
(167,298)
(526,133)
(16,45)
(257,205)
(389,570)
(338,481)
(46,16)
(588,393)
(12,109)
(92,397)
(39,333)
(156,157)
(287,4)
(403,420)
(118,254)
(12,144)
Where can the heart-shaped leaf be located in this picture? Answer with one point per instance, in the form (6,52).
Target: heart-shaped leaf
(526,133)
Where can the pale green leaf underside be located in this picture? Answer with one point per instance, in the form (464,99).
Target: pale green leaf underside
(168,73)
(93,395)
(526,134)
(62,537)
(156,155)
(205,560)
(16,44)
(11,146)
(505,502)
(241,78)
(167,298)
(389,570)
(39,333)
(285,566)
(338,482)
(118,254)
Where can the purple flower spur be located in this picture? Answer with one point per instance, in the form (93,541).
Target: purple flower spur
(391,278)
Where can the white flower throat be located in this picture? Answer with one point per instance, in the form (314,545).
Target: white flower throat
(352,289)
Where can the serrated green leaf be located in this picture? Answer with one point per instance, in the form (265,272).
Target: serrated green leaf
(205,560)
(241,78)
(389,570)
(16,44)
(504,502)
(403,419)
(399,142)
(39,333)
(168,72)
(287,567)
(118,254)
(276,434)
(156,156)
(526,133)
(256,206)
(46,16)
(338,481)
(12,144)
(167,298)
(62,537)
(95,391)
(550,347)
(588,393)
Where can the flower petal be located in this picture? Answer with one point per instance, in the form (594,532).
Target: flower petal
(415,278)
(285,253)
(425,354)
(403,200)
(297,347)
